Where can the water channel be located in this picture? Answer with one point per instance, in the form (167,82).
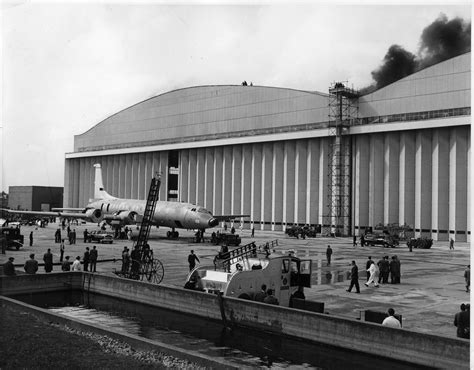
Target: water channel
(241,346)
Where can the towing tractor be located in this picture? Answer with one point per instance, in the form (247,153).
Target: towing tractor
(247,268)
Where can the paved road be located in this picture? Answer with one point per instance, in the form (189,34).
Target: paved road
(431,290)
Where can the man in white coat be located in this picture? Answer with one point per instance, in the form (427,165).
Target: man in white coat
(391,320)
(374,275)
(76,265)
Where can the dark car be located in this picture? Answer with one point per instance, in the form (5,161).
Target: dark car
(384,240)
(100,237)
(423,243)
(11,238)
(226,239)
(303,231)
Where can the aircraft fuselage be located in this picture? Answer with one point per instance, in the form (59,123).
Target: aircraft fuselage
(168,214)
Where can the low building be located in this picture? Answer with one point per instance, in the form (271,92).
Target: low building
(35,198)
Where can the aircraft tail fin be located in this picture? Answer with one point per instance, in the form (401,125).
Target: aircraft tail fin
(99,192)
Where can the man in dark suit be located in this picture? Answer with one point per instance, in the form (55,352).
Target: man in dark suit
(354,278)
(462,322)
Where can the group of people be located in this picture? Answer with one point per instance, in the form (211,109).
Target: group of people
(89,262)
(131,261)
(377,273)
(266,296)
(71,236)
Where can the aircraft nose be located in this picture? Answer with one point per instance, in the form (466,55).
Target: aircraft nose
(213,222)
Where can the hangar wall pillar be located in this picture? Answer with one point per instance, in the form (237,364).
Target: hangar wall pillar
(80,181)
(128,176)
(440,184)
(192,179)
(209,179)
(218,181)
(116,174)
(312,182)
(121,176)
(458,180)
(289,183)
(236,183)
(143,187)
(323,180)
(391,178)
(407,179)
(227,180)
(163,168)
(256,203)
(246,188)
(361,183)
(135,176)
(200,176)
(87,180)
(376,180)
(301,158)
(267,182)
(277,186)
(183,176)
(149,173)
(423,183)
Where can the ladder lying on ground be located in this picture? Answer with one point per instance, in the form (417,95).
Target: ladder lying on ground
(146,268)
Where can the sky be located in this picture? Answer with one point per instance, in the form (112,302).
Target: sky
(68,66)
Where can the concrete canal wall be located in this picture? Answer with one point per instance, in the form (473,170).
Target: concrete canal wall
(136,342)
(400,344)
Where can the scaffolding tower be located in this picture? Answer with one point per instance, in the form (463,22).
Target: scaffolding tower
(343,111)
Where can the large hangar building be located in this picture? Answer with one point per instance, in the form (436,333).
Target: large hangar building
(268,152)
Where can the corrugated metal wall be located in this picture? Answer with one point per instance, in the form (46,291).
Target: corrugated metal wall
(417,177)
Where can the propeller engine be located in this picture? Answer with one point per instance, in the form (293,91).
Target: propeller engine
(94,215)
(124,217)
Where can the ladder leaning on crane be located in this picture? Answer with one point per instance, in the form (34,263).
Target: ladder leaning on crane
(144,267)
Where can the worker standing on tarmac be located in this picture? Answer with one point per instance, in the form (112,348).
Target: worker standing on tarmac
(192,258)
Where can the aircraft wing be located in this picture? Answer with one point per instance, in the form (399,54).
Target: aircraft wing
(68,209)
(228,217)
(32,213)
(86,214)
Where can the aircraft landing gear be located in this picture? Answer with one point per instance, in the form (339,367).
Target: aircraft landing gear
(172,234)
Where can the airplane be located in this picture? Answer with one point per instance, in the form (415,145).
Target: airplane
(121,212)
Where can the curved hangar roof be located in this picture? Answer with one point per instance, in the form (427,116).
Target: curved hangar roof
(211,112)
(205,112)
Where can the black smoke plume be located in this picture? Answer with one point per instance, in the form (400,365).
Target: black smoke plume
(443,39)
(397,64)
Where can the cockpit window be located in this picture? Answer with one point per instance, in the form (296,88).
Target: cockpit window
(204,210)
(193,209)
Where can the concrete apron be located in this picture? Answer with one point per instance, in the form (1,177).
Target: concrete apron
(400,344)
